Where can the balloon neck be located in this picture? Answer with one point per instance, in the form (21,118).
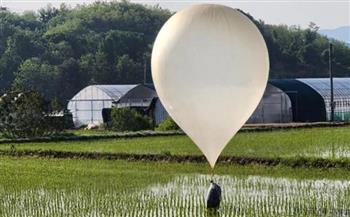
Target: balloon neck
(212,174)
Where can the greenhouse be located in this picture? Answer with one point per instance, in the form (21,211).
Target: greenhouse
(274,107)
(341,93)
(284,101)
(307,104)
(87,105)
(310,98)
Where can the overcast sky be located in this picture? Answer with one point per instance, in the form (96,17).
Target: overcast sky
(327,14)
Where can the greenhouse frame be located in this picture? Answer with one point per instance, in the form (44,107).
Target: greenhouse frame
(341,93)
(284,101)
(274,107)
(87,105)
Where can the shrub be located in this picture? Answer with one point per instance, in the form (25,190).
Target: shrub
(126,119)
(26,114)
(168,124)
(68,120)
(106,115)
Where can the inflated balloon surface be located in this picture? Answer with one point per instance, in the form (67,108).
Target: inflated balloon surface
(210,68)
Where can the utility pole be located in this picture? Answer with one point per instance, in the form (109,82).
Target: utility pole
(330,61)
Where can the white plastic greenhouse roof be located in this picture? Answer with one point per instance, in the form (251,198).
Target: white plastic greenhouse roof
(341,86)
(104,92)
(115,91)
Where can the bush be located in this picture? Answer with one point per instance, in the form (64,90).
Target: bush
(106,115)
(68,120)
(126,119)
(25,114)
(168,124)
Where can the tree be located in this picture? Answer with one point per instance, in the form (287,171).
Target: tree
(118,43)
(25,114)
(128,71)
(70,79)
(126,119)
(8,67)
(109,42)
(38,76)
(46,14)
(168,124)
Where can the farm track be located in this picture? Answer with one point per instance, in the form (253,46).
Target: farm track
(297,162)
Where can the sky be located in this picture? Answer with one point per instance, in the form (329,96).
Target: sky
(327,14)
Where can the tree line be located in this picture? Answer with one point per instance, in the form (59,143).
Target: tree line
(58,51)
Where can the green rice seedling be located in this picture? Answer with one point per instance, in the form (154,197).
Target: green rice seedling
(185,196)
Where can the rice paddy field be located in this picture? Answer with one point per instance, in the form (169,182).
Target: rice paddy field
(326,143)
(56,187)
(40,186)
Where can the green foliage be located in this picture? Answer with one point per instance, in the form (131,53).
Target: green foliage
(25,114)
(71,48)
(296,52)
(128,70)
(168,124)
(111,42)
(126,119)
(56,105)
(38,76)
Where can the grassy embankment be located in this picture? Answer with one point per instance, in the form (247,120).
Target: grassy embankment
(299,145)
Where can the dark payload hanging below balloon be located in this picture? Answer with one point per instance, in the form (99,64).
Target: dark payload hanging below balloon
(214,196)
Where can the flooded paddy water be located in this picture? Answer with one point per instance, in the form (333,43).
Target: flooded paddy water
(184,195)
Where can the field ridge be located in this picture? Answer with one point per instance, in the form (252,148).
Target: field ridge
(300,162)
(151,133)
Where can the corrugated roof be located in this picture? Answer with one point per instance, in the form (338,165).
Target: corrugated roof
(341,90)
(116,91)
(341,86)
(307,103)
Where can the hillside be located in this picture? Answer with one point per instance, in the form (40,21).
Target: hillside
(59,51)
(341,33)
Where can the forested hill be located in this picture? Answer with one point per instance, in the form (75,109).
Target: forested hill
(60,51)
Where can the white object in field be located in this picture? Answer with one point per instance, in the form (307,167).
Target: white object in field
(210,68)
(91,126)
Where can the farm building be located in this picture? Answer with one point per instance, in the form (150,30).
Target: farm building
(275,107)
(87,105)
(284,101)
(296,100)
(159,113)
(341,88)
(310,98)
(307,104)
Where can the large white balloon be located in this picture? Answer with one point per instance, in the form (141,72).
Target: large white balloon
(210,68)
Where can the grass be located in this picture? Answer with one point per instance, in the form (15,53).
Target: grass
(326,143)
(31,186)
(71,187)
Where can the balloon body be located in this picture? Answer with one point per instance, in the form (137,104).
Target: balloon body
(210,68)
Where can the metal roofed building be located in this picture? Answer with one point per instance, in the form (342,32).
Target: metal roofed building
(284,101)
(87,105)
(341,93)
(303,100)
(307,104)
(310,98)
